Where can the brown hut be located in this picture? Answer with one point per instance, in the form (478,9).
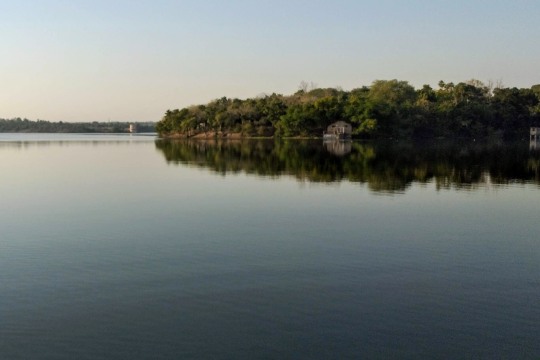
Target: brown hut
(338,130)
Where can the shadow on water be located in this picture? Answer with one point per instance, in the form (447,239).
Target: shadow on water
(383,166)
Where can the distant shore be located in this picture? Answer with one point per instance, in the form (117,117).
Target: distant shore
(18,125)
(386,109)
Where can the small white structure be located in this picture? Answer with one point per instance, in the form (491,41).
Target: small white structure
(132,128)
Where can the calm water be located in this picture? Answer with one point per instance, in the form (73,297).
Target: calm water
(123,247)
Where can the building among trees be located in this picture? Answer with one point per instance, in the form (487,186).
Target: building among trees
(338,130)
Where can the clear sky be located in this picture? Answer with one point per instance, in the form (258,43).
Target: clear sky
(131,60)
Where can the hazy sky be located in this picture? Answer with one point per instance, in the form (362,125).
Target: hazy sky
(132,60)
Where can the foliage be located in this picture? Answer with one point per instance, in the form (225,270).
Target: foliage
(386,109)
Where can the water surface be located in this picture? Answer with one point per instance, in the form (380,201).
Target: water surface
(127,247)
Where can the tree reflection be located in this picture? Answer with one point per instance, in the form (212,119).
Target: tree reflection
(383,166)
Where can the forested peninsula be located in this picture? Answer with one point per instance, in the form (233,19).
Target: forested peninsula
(386,109)
(19,125)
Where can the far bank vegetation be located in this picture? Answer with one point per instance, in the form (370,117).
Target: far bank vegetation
(386,109)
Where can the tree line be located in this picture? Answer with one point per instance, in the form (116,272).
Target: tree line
(42,126)
(386,109)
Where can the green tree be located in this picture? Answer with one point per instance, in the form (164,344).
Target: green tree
(390,102)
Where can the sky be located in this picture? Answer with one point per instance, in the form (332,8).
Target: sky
(131,60)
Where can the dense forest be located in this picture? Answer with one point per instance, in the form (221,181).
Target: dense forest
(43,126)
(386,109)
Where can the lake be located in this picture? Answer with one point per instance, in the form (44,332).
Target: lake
(129,247)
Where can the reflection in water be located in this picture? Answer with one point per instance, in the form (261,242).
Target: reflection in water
(30,144)
(24,141)
(534,144)
(383,166)
(338,147)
